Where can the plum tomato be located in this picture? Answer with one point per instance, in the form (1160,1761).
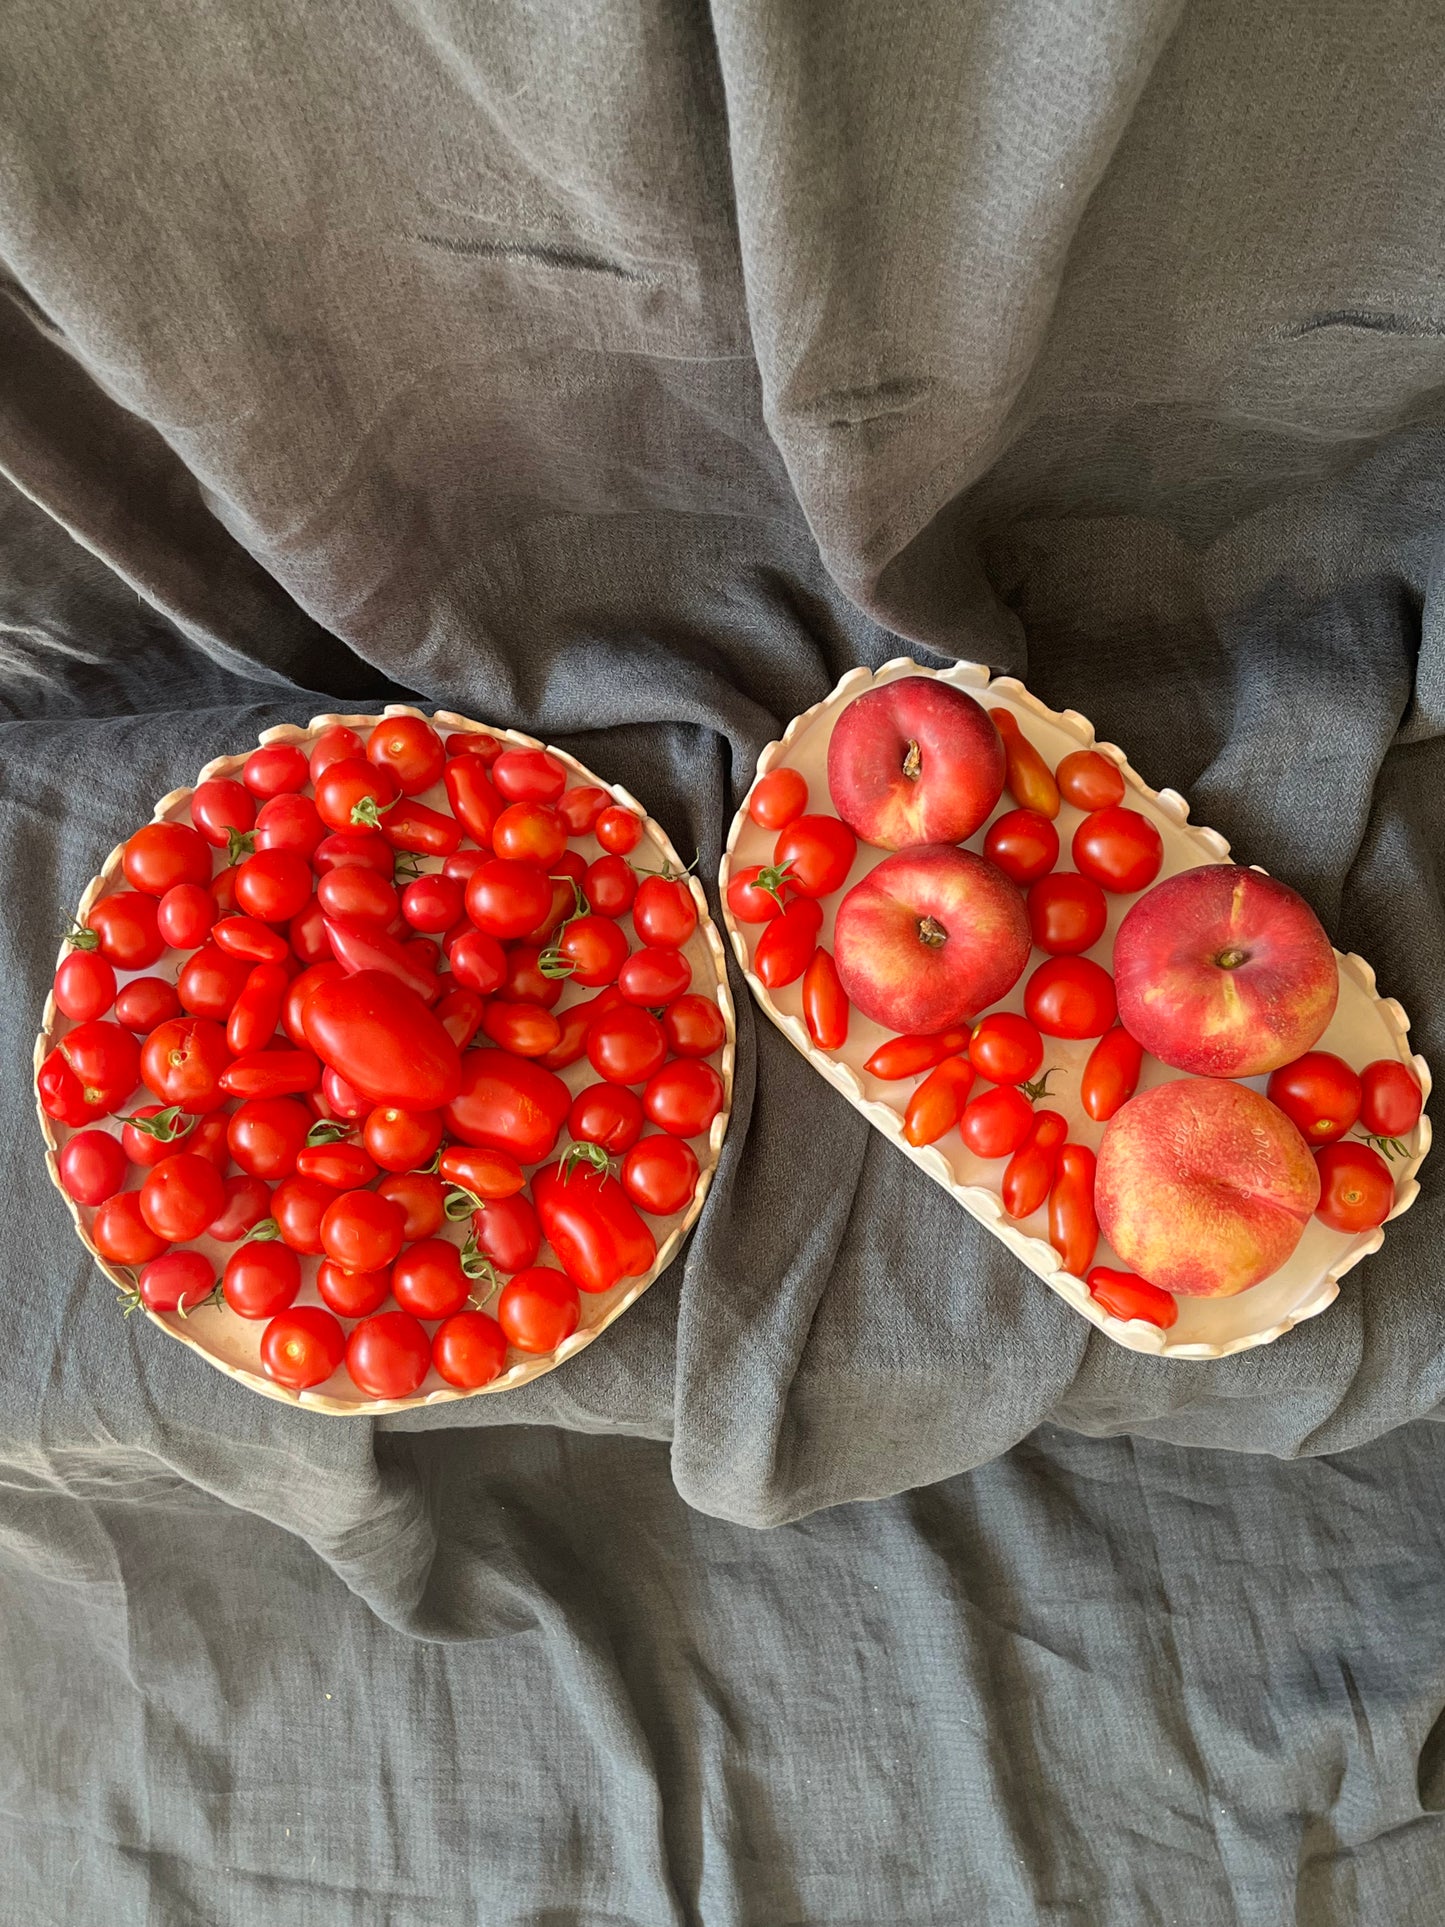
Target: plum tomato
(526,1030)
(530,833)
(353,1294)
(1357,1191)
(507,900)
(276,769)
(261,1278)
(410,750)
(474,742)
(1391,1098)
(606,1114)
(478,961)
(248,937)
(996,1124)
(663,912)
(176,1281)
(273,885)
(362,1230)
(469,1350)
(1023,844)
(626,1045)
(383,1040)
(1073,1226)
(266,1135)
(145,1003)
(84,985)
(126,926)
(422,1197)
(342,1167)
(289,823)
(683,1097)
(92,1166)
(939,1101)
(401,1140)
(180,1197)
(538,1309)
(694,1026)
(298,1205)
(308,935)
(389,1355)
(659,1174)
(1124,1296)
(758,893)
(653,977)
(367,848)
(619,831)
(1319,1093)
(358,897)
(580,808)
(432,902)
(302,1347)
(121,1235)
(528,776)
(482,1172)
(1089,781)
(1030,1171)
(427,1279)
(1030,780)
(786,947)
(298,992)
(185,914)
(778,799)
(1067,913)
(1006,1048)
(610,886)
(817,852)
(1118,848)
(1111,1075)
(343,1099)
(245,1203)
(1071,997)
(826,1009)
(221,808)
(161,855)
(507,1233)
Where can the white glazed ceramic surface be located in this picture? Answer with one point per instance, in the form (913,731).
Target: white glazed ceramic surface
(1364,1027)
(233,1344)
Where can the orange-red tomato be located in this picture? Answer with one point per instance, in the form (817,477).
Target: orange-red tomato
(1391,1098)
(1124,1296)
(1023,844)
(1071,997)
(1111,1075)
(1030,780)
(1067,913)
(778,799)
(939,1102)
(1089,781)
(1357,1191)
(1073,1227)
(1118,848)
(826,1009)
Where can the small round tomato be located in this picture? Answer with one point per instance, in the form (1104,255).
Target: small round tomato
(757,892)
(211,980)
(267,1134)
(663,913)
(538,1309)
(778,799)
(527,982)
(469,1350)
(654,977)
(368,848)
(121,1235)
(92,1166)
(1071,997)
(427,1279)
(127,928)
(353,794)
(362,1230)
(103,1060)
(353,1294)
(161,855)
(422,1198)
(389,1355)
(606,1114)
(626,1045)
(660,1175)
(180,1197)
(528,776)
(1067,913)
(817,852)
(1120,849)
(276,769)
(336,744)
(185,914)
(145,1003)
(298,1205)
(176,1280)
(507,1232)
(530,833)
(357,897)
(595,948)
(694,1026)
(1023,844)
(619,831)
(507,900)
(273,885)
(1391,1098)
(478,961)
(289,823)
(302,1347)
(996,1124)
(1089,781)
(402,1140)
(221,807)
(1005,1048)
(432,902)
(155,1132)
(410,750)
(683,1097)
(610,886)
(580,808)
(1318,1093)
(261,1279)
(84,986)
(245,1203)
(1357,1191)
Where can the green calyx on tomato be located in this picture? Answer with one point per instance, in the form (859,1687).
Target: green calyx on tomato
(773,879)
(165,1127)
(239,845)
(366,812)
(79,938)
(1040,1086)
(263,1232)
(477,1265)
(326,1131)
(408,867)
(461,1203)
(592,1155)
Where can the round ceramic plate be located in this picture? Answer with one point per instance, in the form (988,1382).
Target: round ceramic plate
(1364,1027)
(233,1344)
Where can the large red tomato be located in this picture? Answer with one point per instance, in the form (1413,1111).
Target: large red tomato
(379,1035)
(508,1103)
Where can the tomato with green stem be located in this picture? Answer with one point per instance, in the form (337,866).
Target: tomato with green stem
(759,892)
(246,1202)
(353,794)
(177,1281)
(591,1223)
(153,1133)
(220,807)
(590,949)
(817,852)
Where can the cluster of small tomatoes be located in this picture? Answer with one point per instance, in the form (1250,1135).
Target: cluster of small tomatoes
(361,1048)
(1115,851)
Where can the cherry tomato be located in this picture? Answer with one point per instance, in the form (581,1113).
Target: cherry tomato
(507,900)
(273,885)
(276,769)
(538,1309)
(1030,1171)
(785,949)
(402,1140)
(161,855)
(302,1347)
(357,897)
(267,1135)
(121,1235)
(1023,844)
(1067,913)
(778,799)
(208,1140)
(528,776)
(574,1024)
(512,1103)
(530,833)
(653,977)
(469,1350)
(900,1057)
(606,1114)
(261,1279)
(474,743)
(92,1166)
(683,1097)
(817,852)
(220,807)
(475,803)
(1073,1227)
(427,1279)
(626,1045)
(353,1294)
(939,1101)
(336,744)
(1071,997)
(1111,1075)
(595,949)
(84,985)
(826,1009)
(1318,1093)
(610,886)
(507,1233)
(341,1167)
(92,1069)
(758,893)
(308,933)
(1090,782)
(1357,1190)
(181,1196)
(1120,849)
(379,1035)
(423,1200)
(1030,780)
(245,1202)
(617,830)
(298,1205)
(997,1123)
(185,914)
(1391,1099)
(1124,1296)
(432,902)
(659,1175)
(694,1026)
(527,1030)
(410,750)
(289,823)
(527,982)
(126,926)
(478,961)
(663,912)
(389,1355)
(210,981)
(1005,1048)
(154,1132)
(363,849)
(176,1280)
(353,794)
(223,890)
(362,1230)
(580,808)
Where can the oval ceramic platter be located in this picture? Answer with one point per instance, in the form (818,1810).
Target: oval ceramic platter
(232,1344)
(1364,1027)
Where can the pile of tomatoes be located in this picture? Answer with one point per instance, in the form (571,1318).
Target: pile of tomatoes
(357,1057)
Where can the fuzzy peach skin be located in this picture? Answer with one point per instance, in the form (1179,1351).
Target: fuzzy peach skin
(1204,1187)
(914,762)
(1224,972)
(930,937)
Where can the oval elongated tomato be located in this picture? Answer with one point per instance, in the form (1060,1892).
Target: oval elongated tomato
(593,1226)
(938,1103)
(379,1035)
(211,980)
(826,1009)
(184,916)
(1124,1296)
(817,852)
(1391,1098)
(786,947)
(92,1166)
(1030,1171)
(146,1003)
(663,912)
(1073,1227)
(527,1030)
(538,1309)
(507,1103)
(1319,1093)
(1030,780)
(1111,1074)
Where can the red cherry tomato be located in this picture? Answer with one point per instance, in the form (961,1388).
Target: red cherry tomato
(527,982)
(182,1063)
(162,855)
(758,893)
(1006,1048)
(659,1175)
(478,961)
(272,1073)
(1030,780)
(273,885)
(246,1202)
(1030,1171)
(353,1294)
(469,1350)
(261,1279)
(388,1356)
(606,1114)
(528,776)
(176,1281)
(362,1230)
(302,1347)
(432,902)
(289,823)
(266,1136)
(695,1028)
(180,1197)
(610,886)
(210,981)
(154,1132)
(91,1070)
(538,1309)
(1120,849)
(223,890)
(1318,1093)
(357,897)
(221,808)
(580,808)
(1067,913)
(778,799)
(92,1166)
(367,848)
(121,1235)
(1391,1099)
(84,986)
(336,744)
(817,852)
(353,794)
(126,925)
(507,900)
(185,914)
(208,1140)
(618,830)
(1073,1227)
(683,1097)
(826,1009)
(530,833)
(1090,782)
(939,1101)
(298,1205)
(1071,997)
(997,1123)
(593,947)
(277,769)
(427,1279)
(663,912)
(410,750)
(511,1104)
(1023,844)
(248,937)
(1357,1191)
(1124,1296)
(785,949)
(422,1198)
(626,1045)
(343,1099)
(1111,1075)
(474,743)
(653,977)
(298,993)
(402,1140)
